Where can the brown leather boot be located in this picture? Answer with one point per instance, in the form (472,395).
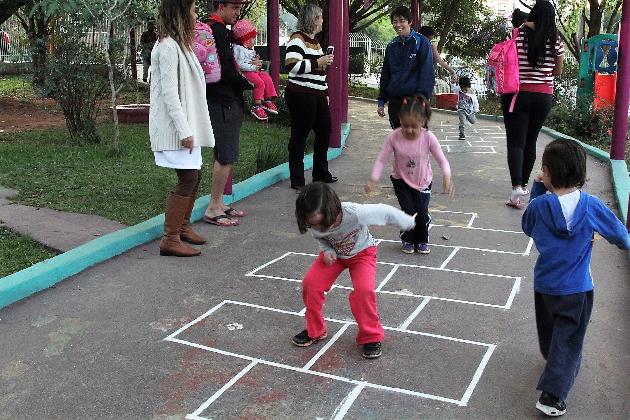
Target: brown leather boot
(174,215)
(187,234)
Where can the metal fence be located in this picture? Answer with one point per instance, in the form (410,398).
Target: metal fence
(15,47)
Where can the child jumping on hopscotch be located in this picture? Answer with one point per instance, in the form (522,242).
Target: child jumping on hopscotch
(345,241)
(411,176)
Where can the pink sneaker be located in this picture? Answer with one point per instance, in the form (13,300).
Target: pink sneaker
(270,107)
(259,113)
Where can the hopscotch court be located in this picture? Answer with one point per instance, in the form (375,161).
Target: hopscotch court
(415,363)
(479,139)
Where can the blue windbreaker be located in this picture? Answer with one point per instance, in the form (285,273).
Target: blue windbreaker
(407,68)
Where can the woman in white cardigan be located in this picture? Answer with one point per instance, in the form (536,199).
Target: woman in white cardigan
(179,123)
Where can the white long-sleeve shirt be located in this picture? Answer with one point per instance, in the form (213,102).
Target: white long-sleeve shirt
(352,235)
(244,57)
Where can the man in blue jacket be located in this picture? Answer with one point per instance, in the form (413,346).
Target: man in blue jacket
(407,67)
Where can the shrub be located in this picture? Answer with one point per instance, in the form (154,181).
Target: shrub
(76,79)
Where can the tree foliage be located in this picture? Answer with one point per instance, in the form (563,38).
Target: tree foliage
(360,16)
(579,19)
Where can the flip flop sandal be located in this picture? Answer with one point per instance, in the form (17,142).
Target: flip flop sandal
(232,212)
(216,220)
(515,204)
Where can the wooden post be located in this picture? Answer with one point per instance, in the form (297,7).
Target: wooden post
(346,61)
(415,14)
(273,41)
(622,99)
(334,77)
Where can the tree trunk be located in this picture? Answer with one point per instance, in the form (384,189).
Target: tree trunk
(595,17)
(132,54)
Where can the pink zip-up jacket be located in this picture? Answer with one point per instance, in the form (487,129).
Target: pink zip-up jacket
(411,159)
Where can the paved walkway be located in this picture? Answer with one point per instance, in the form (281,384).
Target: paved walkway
(147,337)
(58,230)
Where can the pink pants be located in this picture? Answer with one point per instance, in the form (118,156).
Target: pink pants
(263,85)
(320,278)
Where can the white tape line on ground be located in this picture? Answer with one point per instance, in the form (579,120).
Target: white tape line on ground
(268,263)
(477,375)
(515,289)
(387,277)
(326,347)
(195,320)
(450,257)
(414,314)
(346,403)
(224,388)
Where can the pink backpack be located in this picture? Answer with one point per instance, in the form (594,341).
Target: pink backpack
(206,51)
(503,62)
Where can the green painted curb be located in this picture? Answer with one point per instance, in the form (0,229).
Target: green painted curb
(53,270)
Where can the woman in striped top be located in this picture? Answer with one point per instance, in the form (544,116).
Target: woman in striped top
(306,95)
(540,57)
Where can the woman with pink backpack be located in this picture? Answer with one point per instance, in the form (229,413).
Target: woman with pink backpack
(540,58)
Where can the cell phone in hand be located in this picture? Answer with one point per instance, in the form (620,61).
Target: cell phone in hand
(330,50)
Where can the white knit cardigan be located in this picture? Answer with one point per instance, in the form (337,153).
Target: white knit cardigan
(178,107)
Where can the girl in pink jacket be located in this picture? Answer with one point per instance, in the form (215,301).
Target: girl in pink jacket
(411,175)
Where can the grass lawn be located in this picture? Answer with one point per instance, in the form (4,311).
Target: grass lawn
(128,188)
(19,252)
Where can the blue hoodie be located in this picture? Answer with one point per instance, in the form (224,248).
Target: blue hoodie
(407,68)
(563,266)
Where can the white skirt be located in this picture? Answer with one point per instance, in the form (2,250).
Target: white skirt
(179,159)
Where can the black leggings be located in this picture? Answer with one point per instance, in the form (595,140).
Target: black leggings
(521,129)
(308,112)
(411,202)
(187,181)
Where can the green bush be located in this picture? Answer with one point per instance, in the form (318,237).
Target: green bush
(76,79)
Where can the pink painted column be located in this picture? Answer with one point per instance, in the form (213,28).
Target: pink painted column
(273,40)
(622,99)
(334,76)
(415,13)
(346,60)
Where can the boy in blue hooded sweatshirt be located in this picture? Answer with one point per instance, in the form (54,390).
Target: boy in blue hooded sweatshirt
(562,225)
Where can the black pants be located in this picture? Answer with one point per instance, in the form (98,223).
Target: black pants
(521,129)
(308,112)
(561,322)
(393,108)
(411,202)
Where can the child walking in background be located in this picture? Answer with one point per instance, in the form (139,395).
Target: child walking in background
(345,241)
(249,64)
(562,225)
(467,105)
(411,174)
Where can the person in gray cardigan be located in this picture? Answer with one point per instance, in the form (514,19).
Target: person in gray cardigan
(179,124)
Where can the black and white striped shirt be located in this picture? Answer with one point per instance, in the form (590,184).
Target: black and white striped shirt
(542,73)
(301,63)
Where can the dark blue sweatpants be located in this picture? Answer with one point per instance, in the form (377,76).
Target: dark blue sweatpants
(561,322)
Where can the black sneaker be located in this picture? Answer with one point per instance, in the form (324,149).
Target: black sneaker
(372,350)
(550,405)
(462,137)
(303,340)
